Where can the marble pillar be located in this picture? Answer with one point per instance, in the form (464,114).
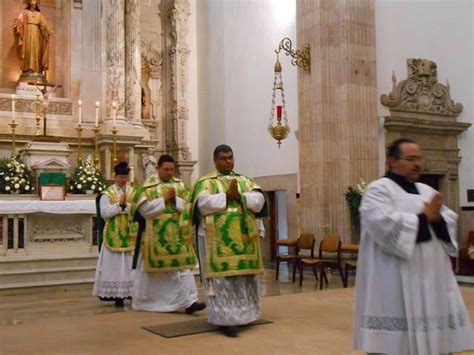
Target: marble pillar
(115,49)
(132,62)
(338,135)
(175,81)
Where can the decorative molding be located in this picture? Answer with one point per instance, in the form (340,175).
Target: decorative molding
(22,105)
(421,92)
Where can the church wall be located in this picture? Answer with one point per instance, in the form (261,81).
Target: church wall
(440,31)
(236,43)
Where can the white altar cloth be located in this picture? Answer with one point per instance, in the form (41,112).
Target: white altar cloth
(55,207)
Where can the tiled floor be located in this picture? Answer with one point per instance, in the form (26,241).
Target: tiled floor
(23,308)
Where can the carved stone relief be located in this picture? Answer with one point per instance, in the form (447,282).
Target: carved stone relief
(422,109)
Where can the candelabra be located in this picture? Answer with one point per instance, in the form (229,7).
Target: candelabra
(79,130)
(96,131)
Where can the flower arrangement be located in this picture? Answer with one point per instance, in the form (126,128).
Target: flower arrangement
(15,176)
(86,177)
(353,195)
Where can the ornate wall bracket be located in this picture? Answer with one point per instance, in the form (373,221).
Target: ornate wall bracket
(299,57)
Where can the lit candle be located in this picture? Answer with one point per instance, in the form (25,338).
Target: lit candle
(114,112)
(97,105)
(13,107)
(132,174)
(79,113)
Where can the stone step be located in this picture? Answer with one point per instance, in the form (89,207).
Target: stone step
(46,274)
(40,287)
(33,262)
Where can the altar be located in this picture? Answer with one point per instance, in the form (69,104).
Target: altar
(46,244)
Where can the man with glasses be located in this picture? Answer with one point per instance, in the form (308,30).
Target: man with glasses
(407,299)
(225,206)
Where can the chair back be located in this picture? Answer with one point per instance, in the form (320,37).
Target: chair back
(306,241)
(330,244)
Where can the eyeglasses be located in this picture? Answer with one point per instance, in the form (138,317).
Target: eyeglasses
(413,159)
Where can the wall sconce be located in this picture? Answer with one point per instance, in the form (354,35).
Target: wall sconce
(279,130)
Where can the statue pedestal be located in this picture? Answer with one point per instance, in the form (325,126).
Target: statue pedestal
(25,89)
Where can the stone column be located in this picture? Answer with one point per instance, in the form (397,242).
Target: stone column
(338,134)
(115,87)
(132,62)
(175,81)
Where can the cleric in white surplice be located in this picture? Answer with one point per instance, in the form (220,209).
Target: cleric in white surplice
(407,299)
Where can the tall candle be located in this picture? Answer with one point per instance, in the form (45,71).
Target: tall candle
(97,104)
(79,112)
(114,112)
(13,106)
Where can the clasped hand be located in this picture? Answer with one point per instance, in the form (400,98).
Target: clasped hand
(433,209)
(233,192)
(170,196)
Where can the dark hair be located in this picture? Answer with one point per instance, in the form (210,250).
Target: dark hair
(223,148)
(165,158)
(393,150)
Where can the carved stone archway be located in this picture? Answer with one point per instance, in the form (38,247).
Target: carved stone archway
(422,109)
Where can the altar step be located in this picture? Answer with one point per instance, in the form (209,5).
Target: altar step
(33,274)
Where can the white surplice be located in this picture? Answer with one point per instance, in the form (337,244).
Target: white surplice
(162,291)
(113,272)
(237,298)
(407,299)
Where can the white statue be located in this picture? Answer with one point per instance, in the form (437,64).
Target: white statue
(149,163)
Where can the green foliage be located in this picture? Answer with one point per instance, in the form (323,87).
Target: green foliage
(15,176)
(87,177)
(353,197)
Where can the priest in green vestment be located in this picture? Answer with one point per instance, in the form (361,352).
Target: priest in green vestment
(113,279)
(163,277)
(225,206)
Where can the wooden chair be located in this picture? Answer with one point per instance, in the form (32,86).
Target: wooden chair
(349,265)
(304,242)
(330,244)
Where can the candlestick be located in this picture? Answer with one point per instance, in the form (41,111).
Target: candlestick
(79,130)
(97,105)
(114,112)
(37,115)
(79,112)
(114,145)
(13,125)
(96,131)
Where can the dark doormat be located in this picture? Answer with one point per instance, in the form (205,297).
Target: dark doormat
(196,326)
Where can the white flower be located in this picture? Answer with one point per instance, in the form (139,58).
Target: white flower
(71,187)
(15,178)
(9,165)
(79,186)
(7,188)
(16,186)
(7,178)
(95,179)
(89,179)
(22,165)
(27,187)
(93,187)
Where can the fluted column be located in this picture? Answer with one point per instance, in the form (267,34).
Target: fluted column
(175,81)
(132,62)
(115,89)
(338,141)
